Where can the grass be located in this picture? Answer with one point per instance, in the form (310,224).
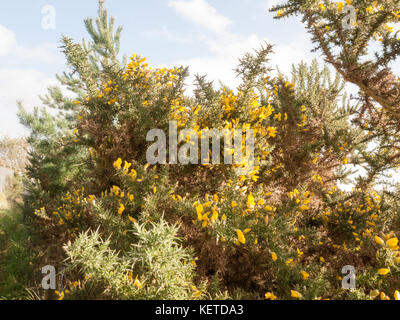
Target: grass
(16,271)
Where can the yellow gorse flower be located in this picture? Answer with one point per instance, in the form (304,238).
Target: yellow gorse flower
(272,131)
(121,209)
(199,210)
(250,201)
(305,275)
(197,294)
(270,296)
(290,262)
(299,252)
(240,236)
(379,241)
(274,256)
(392,243)
(60,295)
(384,296)
(138,284)
(383,271)
(118,163)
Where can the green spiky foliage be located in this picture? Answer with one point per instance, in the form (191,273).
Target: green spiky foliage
(57,163)
(162,268)
(363,54)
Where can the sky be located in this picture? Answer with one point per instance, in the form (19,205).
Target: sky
(209,36)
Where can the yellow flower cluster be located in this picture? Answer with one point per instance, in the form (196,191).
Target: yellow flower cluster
(135,65)
(125,170)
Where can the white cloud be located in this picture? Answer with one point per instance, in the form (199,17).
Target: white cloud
(270,3)
(19,84)
(7,41)
(201,13)
(226,47)
(44,53)
(226,51)
(165,33)
(41,53)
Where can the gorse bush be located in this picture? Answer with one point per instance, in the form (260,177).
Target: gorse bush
(163,269)
(279,227)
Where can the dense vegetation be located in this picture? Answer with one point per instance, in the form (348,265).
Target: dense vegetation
(283,228)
